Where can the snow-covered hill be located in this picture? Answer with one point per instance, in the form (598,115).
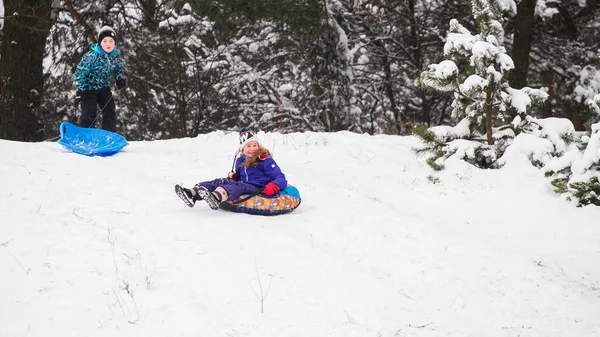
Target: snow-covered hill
(93,246)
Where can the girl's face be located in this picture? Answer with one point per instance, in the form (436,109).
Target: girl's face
(107,44)
(250,148)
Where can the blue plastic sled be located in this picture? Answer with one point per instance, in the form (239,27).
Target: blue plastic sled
(90,141)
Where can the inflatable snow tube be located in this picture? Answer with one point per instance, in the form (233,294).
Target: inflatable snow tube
(90,141)
(284,202)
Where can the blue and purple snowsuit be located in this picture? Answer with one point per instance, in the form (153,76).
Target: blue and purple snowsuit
(249,180)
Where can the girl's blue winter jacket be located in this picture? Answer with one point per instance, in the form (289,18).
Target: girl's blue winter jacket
(264,172)
(94,70)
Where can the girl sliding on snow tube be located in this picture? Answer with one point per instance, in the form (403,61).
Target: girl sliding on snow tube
(255,172)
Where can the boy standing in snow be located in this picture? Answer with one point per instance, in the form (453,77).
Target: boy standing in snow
(92,81)
(255,172)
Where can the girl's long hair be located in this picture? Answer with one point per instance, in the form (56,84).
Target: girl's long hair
(253,160)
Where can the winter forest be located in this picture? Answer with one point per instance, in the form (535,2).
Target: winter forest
(289,65)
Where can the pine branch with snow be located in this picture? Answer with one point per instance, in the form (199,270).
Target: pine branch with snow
(442,142)
(594,104)
(587,192)
(431,144)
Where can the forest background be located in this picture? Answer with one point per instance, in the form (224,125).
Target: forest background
(280,65)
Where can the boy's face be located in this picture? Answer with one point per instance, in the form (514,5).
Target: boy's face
(250,148)
(107,44)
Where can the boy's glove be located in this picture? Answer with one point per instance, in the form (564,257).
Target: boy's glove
(231,175)
(271,189)
(121,83)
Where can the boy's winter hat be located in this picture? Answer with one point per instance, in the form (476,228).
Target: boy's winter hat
(106,31)
(246,136)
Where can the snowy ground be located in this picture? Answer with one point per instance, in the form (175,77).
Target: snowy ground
(93,246)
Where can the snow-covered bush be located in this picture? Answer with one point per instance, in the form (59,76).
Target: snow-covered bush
(443,142)
(569,158)
(576,172)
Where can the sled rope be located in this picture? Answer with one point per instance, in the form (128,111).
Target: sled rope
(93,122)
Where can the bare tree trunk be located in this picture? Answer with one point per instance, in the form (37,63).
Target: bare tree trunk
(389,90)
(489,113)
(415,39)
(149,9)
(22,52)
(522,43)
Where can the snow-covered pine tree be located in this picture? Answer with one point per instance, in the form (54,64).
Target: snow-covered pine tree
(474,71)
(582,179)
(484,103)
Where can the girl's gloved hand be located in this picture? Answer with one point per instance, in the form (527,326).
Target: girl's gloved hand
(271,189)
(231,175)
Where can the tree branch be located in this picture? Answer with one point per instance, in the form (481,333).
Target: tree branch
(88,30)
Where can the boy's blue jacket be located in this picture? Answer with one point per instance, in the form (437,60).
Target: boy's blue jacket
(94,70)
(260,175)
